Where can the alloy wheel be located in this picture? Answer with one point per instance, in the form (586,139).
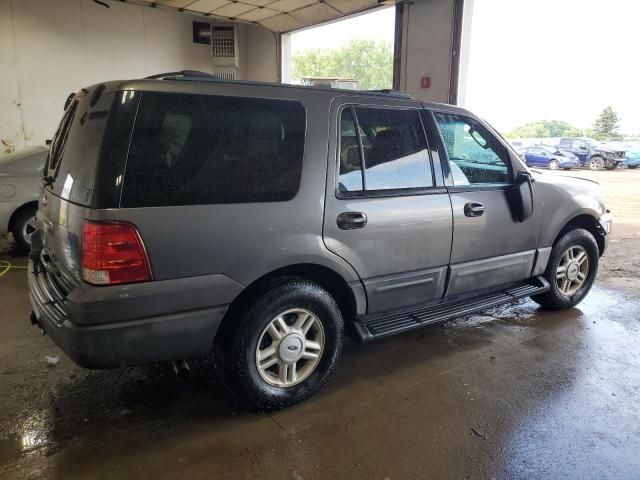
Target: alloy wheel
(572,270)
(290,348)
(28,229)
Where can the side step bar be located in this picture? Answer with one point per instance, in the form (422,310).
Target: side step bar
(370,327)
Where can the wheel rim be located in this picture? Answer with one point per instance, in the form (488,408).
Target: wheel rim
(554,165)
(28,229)
(290,348)
(572,270)
(595,163)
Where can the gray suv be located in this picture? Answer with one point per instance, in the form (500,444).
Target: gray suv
(184,215)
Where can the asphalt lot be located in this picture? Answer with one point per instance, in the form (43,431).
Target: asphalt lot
(514,392)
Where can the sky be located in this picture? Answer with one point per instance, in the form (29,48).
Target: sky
(556,60)
(531,60)
(377,25)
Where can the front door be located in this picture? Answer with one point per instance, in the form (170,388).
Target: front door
(490,248)
(387,210)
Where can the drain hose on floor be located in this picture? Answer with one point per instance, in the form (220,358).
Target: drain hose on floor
(5,266)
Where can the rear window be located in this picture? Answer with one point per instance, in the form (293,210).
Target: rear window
(73,156)
(195,149)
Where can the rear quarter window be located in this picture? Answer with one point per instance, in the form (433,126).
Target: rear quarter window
(196,149)
(75,148)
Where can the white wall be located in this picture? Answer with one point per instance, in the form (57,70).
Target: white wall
(49,49)
(426,48)
(261,53)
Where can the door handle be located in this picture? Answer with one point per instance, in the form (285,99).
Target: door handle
(351,220)
(473,209)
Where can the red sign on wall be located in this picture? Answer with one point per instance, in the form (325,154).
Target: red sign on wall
(425,82)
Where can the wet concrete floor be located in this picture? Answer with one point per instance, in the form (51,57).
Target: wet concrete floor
(510,393)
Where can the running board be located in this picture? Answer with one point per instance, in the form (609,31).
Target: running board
(370,327)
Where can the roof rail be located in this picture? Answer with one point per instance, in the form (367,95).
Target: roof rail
(389,91)
(181,73)
(208,77)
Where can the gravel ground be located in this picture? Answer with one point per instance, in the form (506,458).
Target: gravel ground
(620,266)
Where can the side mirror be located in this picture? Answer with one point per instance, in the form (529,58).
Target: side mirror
(521,197)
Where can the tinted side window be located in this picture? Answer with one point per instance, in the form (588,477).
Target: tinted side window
(394,149)
(75,148)
(196,149)
(475,156)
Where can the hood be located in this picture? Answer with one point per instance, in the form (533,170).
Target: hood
(603,148)
(27,162)
(568,155)
(609,148)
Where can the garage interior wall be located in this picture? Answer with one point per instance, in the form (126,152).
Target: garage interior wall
(50,49)
(427,34)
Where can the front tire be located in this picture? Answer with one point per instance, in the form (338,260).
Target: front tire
(571,270)
(554,165)
(284,346)
(596,163)
(24,225)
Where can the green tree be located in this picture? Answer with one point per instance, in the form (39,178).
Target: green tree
(545,129)
(368,61)
(606,126)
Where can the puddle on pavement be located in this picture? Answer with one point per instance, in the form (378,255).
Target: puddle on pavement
(32,438)
(150,397)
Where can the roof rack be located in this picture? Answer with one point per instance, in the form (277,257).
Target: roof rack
(208,77)
(389,91)
(181,73)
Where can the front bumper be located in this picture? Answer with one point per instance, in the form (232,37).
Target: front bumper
(125,335)
(605,223)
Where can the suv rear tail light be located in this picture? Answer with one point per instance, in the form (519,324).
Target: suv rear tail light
(113,253)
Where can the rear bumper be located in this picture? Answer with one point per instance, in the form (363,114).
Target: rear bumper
(123,340)
(569,164)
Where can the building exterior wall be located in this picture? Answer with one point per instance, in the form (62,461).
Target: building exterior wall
(50,49)
(427,33)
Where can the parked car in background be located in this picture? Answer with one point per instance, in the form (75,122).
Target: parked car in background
(303,214)
(632,159)
(593,154)
(550,158)
(20,177)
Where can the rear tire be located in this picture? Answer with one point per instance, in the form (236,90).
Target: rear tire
(258,338)
(23,227)
(571,270)
(554,165)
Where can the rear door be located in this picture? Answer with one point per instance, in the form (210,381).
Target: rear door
(387,212)
(490,248)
